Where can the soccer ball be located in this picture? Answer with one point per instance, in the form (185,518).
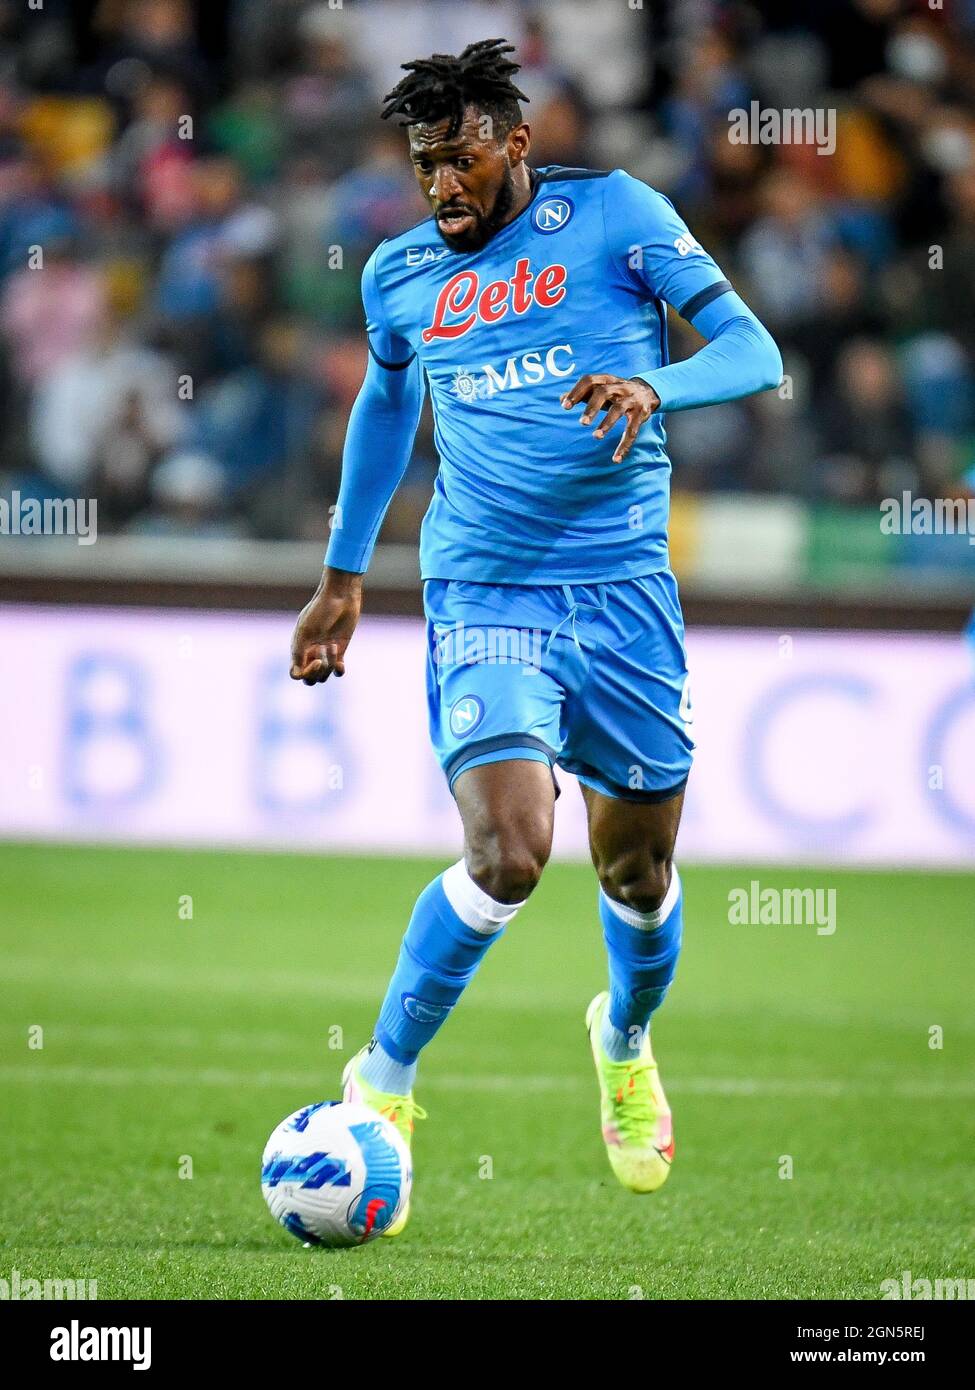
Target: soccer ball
(336,1174)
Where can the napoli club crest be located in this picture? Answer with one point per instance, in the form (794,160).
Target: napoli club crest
(551,215)
(465,716)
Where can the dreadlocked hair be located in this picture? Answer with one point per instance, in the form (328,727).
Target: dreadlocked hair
(444,85)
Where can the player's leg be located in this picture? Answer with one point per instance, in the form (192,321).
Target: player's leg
(629,743)
(632,846)
(640,909)
(495,729)
(507,809)
(507,813)
(494,721)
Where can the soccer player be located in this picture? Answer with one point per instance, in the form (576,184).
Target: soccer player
(527,294)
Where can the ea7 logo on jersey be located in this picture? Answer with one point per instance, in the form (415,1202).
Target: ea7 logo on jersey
(425,255)
(462,303)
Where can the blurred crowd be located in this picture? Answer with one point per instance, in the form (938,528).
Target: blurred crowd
(188,194)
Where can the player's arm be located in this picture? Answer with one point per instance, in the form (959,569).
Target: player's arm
(378,444)
(739,358)
(655,251)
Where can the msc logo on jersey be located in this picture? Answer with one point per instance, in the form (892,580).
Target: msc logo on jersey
(465,716)
(551,215)
(468,386)
(539,364)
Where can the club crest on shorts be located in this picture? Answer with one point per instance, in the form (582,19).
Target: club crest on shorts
(466,714)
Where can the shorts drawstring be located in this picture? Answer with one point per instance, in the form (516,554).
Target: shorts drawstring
(576,607)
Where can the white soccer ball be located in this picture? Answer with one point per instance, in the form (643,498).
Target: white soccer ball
(336,1174)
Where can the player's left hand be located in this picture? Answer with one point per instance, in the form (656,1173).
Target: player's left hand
(618,396)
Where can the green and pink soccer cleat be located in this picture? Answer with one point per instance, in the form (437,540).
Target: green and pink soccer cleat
(635,1115)
(401,1111)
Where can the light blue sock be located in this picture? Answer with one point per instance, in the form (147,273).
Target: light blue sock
(453,924)
(643,948)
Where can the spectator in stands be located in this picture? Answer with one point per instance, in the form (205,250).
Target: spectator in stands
(188,500)
(257,423)
(867,432)
(53,307)
(225,243)
(106,412)
(784,254)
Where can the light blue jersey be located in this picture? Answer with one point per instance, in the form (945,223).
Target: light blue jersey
(578,282)
(534,534)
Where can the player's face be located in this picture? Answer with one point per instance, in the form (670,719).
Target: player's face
(467,179)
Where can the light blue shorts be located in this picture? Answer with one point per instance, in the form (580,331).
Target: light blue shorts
(591,677)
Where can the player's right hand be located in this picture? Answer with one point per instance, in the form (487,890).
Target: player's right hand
(325,627)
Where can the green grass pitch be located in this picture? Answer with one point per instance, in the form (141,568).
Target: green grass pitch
(166,1038)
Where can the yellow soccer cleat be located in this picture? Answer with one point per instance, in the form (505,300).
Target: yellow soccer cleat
(401,1111)
(635,1115)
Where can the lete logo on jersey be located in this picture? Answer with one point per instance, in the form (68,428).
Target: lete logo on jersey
(462,302)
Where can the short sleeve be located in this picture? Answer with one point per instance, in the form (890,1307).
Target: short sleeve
(655,250)
(387,348)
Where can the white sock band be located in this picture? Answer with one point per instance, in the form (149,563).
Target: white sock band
(648,921)
(473,906)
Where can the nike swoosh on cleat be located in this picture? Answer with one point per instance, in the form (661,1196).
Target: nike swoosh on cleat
(372,1211)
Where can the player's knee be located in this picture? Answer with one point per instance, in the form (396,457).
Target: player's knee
(507,864)
(638,880)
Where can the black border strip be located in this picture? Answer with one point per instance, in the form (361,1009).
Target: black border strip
(491,745)
(647,798)
(664,343)
(571,175)
(703,298)
(390,366)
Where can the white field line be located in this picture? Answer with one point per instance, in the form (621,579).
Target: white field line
(311,1082)
(192,979)
(136,1038)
